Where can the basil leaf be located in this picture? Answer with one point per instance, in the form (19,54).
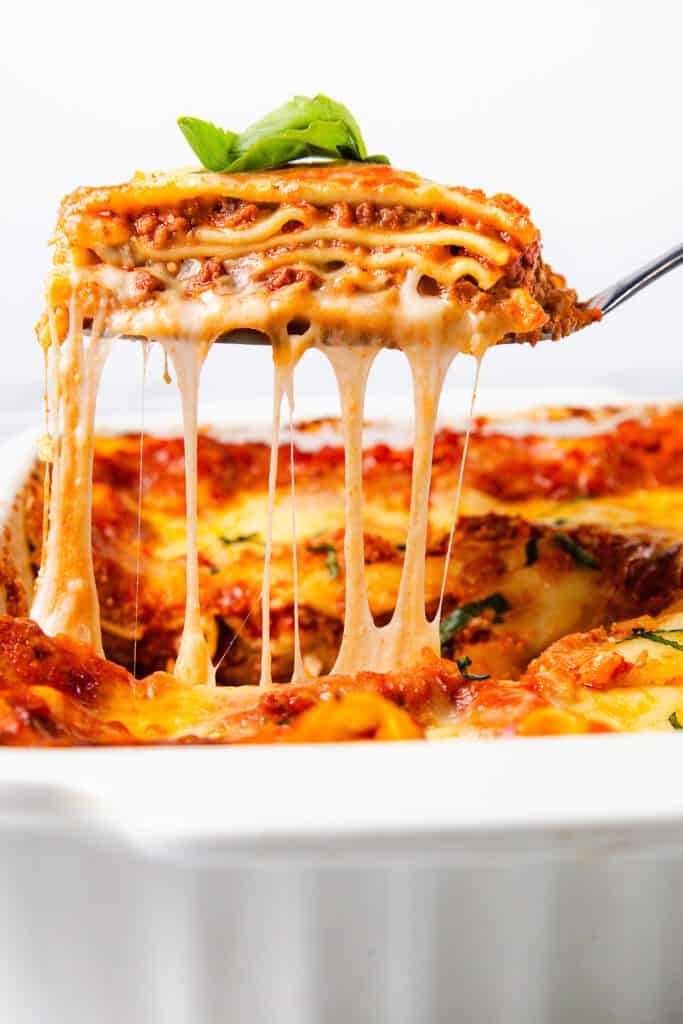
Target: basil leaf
(239,538)
(320,138)
(331,561)
(304,127)
(300,113)
(213,145)
(578,553)
(655,635)
(463,664)
(460,617)
(673,718)
(531,551)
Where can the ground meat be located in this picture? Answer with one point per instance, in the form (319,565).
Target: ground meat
(146,223)
(523,271)
(209,272)
(565,313)
(342,214)
(365,214)
(231,213)
(284,276)
(158,229)
(392,218)
(146,283)
(379,549)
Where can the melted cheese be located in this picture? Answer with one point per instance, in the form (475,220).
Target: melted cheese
(364,646)
(458,488)
(285,357)
(138,547)
(403,640)
(193,665)
(65,600)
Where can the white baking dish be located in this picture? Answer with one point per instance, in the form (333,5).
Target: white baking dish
(530,880)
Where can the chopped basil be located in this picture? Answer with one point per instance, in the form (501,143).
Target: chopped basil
(459,618)
(331,560)
(463,664)
(578,553)
(655,635)
(400,547)
(213,570)
(673,718)
(531,551)
(239,538)
(304,127)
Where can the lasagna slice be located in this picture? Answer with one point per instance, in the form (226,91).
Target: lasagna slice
(349,257)
(335,252)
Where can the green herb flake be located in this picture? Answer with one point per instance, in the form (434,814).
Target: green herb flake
(673,718)
(578,553)
(400,547)
(331,560)
(654,635)
(463,664)
(240,538)
(531,551)
(305,127)
(213,570)
(460,617)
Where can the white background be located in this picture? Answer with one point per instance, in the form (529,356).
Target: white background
(575,108)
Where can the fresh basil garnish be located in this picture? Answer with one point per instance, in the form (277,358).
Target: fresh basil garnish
(655,635)
(459,618)
(240,538)
(531,551)
(304,127)
(673,718)
(578,553)
(331,560)
(463,664)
